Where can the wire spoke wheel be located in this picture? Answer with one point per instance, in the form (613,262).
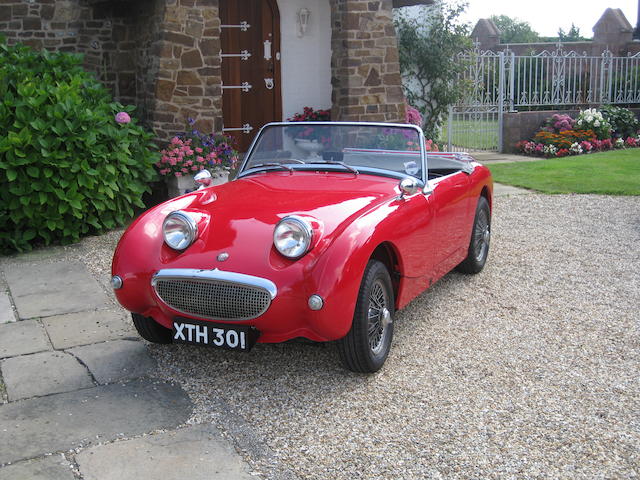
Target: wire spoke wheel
(366,347)
(478,249)
(481,235)
(378,317)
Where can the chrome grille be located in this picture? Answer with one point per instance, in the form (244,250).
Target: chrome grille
(213,299)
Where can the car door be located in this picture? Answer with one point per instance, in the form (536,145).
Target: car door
(450,204)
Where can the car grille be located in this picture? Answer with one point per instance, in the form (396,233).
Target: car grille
(213,299)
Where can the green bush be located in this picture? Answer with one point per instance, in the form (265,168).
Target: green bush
(67,168)
(623,121)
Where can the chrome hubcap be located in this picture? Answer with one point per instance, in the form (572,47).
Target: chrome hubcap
(481,236)
(379,317)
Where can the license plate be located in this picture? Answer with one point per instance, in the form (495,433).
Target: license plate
(233,337)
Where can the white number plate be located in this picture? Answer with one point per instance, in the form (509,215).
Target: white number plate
(236,337)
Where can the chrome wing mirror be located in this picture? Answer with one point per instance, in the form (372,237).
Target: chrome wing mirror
(202,179)
(408,186)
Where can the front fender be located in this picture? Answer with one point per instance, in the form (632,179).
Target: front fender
(338,272)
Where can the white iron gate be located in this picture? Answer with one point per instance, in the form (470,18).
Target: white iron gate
(504,81)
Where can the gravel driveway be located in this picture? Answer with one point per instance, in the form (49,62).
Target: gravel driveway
(527,370)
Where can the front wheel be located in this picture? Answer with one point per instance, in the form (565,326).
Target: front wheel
(480,237)
(151,330)
(366,347)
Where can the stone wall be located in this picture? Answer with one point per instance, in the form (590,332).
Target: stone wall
(611,32)
(365,68)
(163,55)
(189,76)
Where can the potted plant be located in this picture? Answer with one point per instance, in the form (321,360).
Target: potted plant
(311,140)
(192,151)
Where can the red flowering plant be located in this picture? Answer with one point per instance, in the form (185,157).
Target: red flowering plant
(312,134)
(192,151)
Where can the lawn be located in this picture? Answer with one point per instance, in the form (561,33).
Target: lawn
(609,173)
(479,134)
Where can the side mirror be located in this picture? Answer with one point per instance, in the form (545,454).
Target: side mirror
(408,186)
(202,178)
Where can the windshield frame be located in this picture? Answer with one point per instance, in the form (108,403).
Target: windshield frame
(373,171)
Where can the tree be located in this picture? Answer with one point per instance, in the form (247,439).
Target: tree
(513,30)
(572,36)
(429,46)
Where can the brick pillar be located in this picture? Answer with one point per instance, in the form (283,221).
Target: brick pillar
(188,81)
(365,72)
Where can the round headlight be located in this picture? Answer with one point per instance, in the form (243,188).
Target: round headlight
(179,230)
(292,237)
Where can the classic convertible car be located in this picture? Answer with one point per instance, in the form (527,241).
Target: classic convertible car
(328,230)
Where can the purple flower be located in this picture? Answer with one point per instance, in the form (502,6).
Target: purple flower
(123,117)
(190,121)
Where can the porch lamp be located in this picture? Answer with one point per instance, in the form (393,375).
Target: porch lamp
(303,21)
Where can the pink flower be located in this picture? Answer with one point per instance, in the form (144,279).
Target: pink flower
(175,141)
(123,117)
(194,168)
(184,170)
(178,174)
(198,149)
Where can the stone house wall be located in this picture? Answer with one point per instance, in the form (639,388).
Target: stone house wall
(365,67)
(163,55)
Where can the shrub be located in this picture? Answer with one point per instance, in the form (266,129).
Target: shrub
(622,120)
(67,167)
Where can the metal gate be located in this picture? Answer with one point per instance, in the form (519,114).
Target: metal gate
(505,82)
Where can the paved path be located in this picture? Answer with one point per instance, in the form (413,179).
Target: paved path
(79,398)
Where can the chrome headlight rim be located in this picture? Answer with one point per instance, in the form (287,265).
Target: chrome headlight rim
(305,228)
(191,229)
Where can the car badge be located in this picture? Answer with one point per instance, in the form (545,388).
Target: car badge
(223,256)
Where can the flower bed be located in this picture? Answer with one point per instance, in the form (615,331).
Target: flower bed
(591,131)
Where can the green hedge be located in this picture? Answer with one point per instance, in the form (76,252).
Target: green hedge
(67,168)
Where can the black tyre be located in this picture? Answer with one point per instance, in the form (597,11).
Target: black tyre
(480,239)
(151,330)
(366,346)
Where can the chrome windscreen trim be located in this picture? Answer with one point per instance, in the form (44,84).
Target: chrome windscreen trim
(218,275)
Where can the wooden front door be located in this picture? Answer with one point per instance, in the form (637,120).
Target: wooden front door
(250,39)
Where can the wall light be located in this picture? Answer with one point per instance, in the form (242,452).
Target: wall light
(303,21)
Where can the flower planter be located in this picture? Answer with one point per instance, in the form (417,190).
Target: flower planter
(312,147)
(177,186)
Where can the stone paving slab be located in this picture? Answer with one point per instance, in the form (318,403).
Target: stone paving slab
(501,190)
(21,338)
(53,467)
(83,328)
(6,311)
(43,289)
(117,360)
(196,453)
(34,427)
(43,374)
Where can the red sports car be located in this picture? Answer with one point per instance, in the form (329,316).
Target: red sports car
(328,229)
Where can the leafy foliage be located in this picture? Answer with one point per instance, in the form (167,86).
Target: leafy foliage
(573,35)
(622,120)
(67,168)
(513,30)
(429,46)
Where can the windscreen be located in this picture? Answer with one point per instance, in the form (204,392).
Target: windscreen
(373,148)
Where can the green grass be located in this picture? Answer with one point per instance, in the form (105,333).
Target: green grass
(609,173)
(472,135)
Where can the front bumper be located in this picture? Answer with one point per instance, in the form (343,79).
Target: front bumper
(278,309)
